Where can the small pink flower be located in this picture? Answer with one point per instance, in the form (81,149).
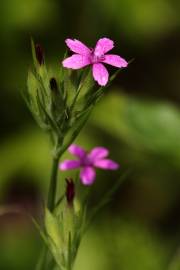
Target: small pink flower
(85,56)
(87,162)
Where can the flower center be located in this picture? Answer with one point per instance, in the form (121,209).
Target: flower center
(96,58)
(86,161)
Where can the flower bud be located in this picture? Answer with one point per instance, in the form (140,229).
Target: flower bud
(70,191)
(39,54)
(53,85)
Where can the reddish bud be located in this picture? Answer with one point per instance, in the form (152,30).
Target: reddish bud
(70,190)
(39,54)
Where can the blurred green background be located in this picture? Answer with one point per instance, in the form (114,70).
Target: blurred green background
(138,120)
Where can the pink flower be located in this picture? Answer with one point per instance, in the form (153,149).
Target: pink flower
(85,56)
(87,162)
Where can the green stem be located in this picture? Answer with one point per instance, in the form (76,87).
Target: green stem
(53,185)
(51,202)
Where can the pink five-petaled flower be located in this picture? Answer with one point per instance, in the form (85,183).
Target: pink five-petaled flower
(87,162)
(96,57)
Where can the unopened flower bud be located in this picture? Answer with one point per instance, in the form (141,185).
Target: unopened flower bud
(53,85)
(39,54)
(70,191)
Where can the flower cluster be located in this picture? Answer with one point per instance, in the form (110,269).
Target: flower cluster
(61,106)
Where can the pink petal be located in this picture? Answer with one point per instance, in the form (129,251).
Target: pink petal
(69,165)
(87,175)
(115,60)
(77,46)
(100,74)
(103,45)
(98,153)
(106,164)
(77,151)
(76,61)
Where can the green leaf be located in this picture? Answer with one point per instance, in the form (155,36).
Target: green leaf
(53,229)
(54,233)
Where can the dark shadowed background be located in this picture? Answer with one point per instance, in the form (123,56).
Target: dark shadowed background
(138,120)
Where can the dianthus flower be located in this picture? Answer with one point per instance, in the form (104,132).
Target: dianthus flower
(96,57)
(87,162)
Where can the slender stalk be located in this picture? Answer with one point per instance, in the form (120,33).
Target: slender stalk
(51,202)
(53,185)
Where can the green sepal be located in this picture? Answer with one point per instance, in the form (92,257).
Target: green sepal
(31,98)
(36,64)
